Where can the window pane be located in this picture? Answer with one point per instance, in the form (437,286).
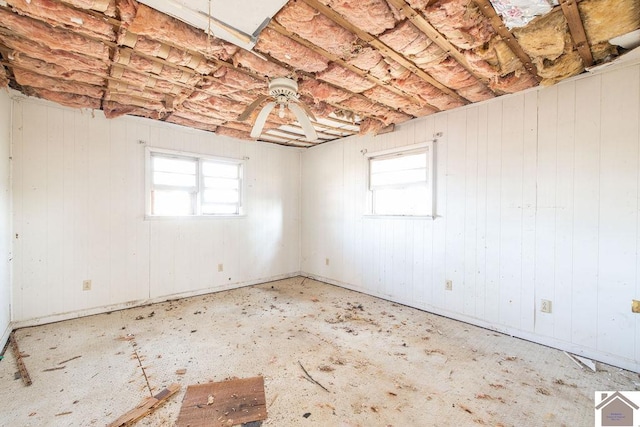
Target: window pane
(221,183)
(220,169)
(174,179)
(172,203)
(407,201)
(220,209)
(409,161)
(399,177)
(221,196)
(169,164)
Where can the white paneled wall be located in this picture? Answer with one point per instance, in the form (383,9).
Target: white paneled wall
(537,198)
(78,200)
(5,216)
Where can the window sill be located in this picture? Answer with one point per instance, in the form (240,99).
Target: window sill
(414,217)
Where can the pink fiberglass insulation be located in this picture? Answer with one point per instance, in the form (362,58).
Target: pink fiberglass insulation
(260,66)
(71,100)
(476,93)
(54,38)
(322,92)
(310,24)
(347,79)
(461,22)
(451,74)
(290,52)
(373,16)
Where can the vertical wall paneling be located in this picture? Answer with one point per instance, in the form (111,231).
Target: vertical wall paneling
(618,208)
(5,216)
(78,197)
(537,198)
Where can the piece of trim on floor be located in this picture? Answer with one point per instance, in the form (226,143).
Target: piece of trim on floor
(595,355)
(139,303)
(21,366)
(145,407)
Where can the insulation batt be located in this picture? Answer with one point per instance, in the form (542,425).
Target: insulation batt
(406,39)
(126,11)
(144,80)
(544,37)
(28,78)
(71,100)
(322,92)
(347,79)
(373,16)
(197,117)
(112,110)
(108,7)
(250,61)
(386,97)
(290,52)
(498,55)
(461,22)
(54,38)
(451,74)
(396,71)
(234,133)
(606,19)
(67,60)
(236,79)
(310,24)
(57,14)
(431,54)
(476,93)
(205,110)
(513,83)
(369,126)
(218,103)
(366,58)
(173,118)
(132,100)
(432,95)
(215,87)
(140,92)
(243,97)
(53,70)
(144,65)
(151,23)
(366,108)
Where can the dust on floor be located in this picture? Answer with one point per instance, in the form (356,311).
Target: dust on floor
(382,363)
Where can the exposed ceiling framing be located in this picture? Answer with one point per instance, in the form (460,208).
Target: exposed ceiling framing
(362,66)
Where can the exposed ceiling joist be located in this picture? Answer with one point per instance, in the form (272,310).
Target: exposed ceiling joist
(382,47)
(576,28)
(423,25)
(496,22)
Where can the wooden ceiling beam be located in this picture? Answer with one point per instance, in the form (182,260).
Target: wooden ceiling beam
(496,22)
(435,36)
(576,28)
(362,73)
(382,47)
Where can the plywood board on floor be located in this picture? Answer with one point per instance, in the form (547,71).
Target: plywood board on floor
(225,403)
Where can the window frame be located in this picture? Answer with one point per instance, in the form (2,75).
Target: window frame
(199,188)
(425,147)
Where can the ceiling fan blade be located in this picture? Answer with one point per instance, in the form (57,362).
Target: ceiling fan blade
(262,119)
(307,110)
(304,121)
(247,112)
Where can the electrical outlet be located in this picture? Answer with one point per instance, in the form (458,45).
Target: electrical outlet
(545,306)
(220,267)
(448,285)
(86,285)
(326,261)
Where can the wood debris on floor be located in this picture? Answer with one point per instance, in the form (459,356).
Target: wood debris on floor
(21,366)
(225,403)
(146,406)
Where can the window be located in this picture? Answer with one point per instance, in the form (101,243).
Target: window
(190,185)
(401,181)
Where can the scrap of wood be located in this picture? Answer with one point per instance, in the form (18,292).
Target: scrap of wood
(576,28)
(310,378)
(582,362)
(146,406)
(54,369)
(69,360)
(225,403)
(21,366)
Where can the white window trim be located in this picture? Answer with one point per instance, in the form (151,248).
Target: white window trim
(429,147)
(199,156)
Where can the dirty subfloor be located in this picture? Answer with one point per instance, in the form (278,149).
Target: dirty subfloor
(383,364)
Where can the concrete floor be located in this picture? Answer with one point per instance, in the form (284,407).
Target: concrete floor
(384,364)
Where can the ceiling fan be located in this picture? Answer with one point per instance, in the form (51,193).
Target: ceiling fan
(284,92)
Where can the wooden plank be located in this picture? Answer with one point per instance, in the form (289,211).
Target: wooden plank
(362,73)
(21,366)
(146,406)
(423,25)
(576,28)
(223,403)
(497,24)
(381,47)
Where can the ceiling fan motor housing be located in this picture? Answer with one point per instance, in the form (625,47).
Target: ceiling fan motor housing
(283,90)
